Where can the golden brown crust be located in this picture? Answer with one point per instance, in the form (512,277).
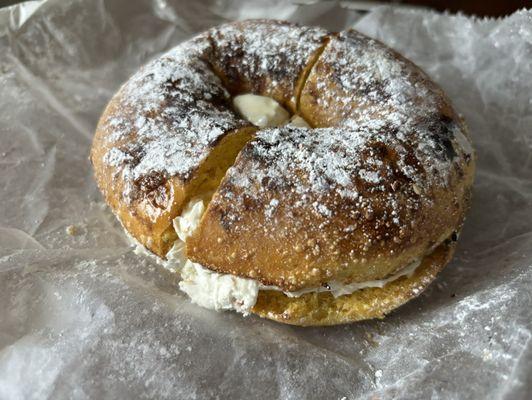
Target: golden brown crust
(146,217)
(296,246)
(298,209)
(316,309)
(168,134)
(338,93)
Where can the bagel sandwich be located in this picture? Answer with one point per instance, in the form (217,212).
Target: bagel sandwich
(305,176)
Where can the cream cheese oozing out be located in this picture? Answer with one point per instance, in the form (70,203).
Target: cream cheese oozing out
(216,291)
(228,292)
(338,289)
(188,221)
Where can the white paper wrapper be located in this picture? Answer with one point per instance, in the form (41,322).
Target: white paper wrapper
(81,316)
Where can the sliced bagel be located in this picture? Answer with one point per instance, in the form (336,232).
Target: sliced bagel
(301,207)
(168,135)
(379,179)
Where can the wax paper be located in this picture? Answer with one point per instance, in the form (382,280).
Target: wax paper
(82,316)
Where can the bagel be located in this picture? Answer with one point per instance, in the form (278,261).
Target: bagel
(309,177)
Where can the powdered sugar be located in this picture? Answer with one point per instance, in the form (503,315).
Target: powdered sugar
(390,139)
(176,109)
(314,166)
(380,91)
(262,52)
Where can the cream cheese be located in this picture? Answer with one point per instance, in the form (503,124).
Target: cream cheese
(216,291)
(175,258)
(265,112)
(260,110)
(188,221)
(296,120)
(184,225)
(339,289)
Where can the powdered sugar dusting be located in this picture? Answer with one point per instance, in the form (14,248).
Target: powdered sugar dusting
(315,167)
(176,109)
(260,52)
(365,85)
(389,143)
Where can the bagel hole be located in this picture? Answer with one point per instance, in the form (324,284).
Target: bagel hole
(237,89)
(265,112)
(276,107)
(223,156)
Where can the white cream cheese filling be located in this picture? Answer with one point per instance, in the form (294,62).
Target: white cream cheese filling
(216,291)
(338,289)
(296,120)
(189,219)
(225,292)
(265,112)
(261,111)
(207,288)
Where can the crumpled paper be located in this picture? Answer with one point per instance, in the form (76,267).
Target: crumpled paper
(81,316)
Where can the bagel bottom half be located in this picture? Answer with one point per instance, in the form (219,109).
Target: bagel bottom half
(314,309)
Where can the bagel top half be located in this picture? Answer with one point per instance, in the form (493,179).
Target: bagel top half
(170,132)
(382,176)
